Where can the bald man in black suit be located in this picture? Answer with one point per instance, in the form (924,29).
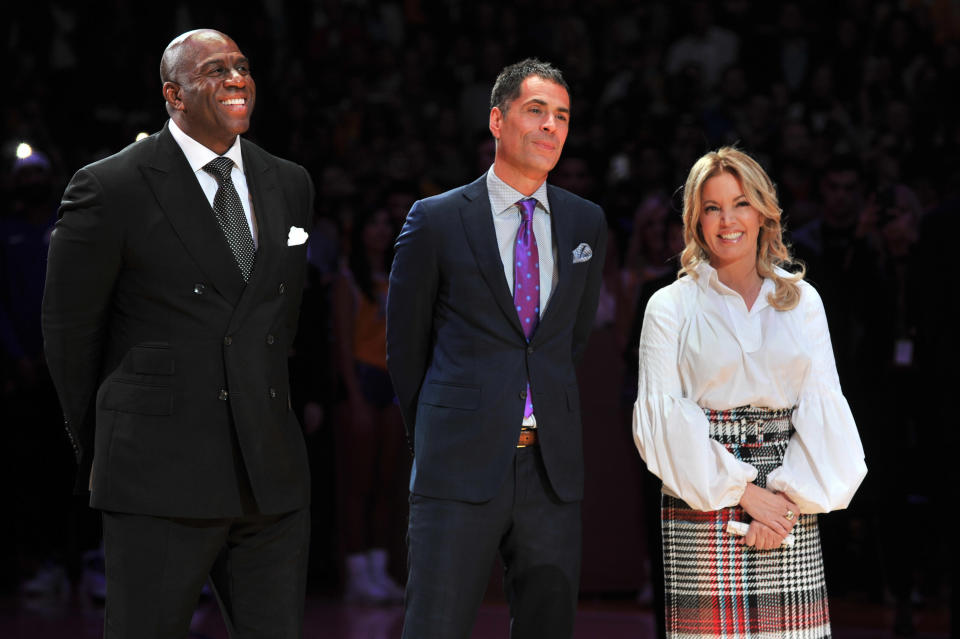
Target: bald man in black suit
(172,294)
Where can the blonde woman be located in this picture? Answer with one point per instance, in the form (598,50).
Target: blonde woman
(739,412)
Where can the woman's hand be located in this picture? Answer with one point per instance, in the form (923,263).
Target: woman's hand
(761,537)
(774,510)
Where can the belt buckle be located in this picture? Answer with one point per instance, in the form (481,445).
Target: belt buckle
(527,433)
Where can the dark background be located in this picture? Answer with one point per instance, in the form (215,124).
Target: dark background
(850,105)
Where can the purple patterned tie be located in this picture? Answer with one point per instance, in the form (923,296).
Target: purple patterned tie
(526,279)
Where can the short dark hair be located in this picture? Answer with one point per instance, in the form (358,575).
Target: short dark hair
(507,87)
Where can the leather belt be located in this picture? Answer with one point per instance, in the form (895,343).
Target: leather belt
(528,437)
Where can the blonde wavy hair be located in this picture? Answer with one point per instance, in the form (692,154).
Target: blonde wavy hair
(760,191)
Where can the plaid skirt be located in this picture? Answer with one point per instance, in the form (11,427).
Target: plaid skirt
(716,588)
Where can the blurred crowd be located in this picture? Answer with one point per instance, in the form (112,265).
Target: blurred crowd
(850,105)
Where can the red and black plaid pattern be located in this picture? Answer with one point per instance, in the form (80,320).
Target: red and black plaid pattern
(716,588)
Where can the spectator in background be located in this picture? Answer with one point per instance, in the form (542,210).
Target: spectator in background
(825,245)
(794,48)
(371,454)
(663,243)
(706,47)
(828,246)
(890,307)
(647,257)
(24,238)
(399,196)
(39,530)
(575,174)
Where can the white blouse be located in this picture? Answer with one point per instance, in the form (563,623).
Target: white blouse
(701,347)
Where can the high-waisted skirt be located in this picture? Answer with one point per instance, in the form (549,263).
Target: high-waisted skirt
(717,588)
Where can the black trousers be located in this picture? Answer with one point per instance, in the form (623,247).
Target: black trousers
(453,544)
(156,567)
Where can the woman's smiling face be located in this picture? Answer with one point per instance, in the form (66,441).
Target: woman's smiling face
(729,223)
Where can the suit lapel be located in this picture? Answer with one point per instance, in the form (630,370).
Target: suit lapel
(183,202)
(482,238)
(269,207)
(560,224)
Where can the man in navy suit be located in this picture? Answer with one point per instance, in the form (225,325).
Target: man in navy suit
(172,294)
(492,296)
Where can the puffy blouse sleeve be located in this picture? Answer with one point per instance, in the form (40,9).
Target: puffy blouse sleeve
(670,430)
(824,463)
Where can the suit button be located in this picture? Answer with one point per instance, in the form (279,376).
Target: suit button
(529,350)
(523,394)
(271,339)
(273,393)
(282,289)
(223,395)
(227,341)
(199,289)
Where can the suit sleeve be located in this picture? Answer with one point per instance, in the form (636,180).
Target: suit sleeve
(83,265)
(591,294)
(414,280)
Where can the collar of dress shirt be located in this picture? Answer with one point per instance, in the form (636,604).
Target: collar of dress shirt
(706,275)
(198,155)
(707,278)
(504,198)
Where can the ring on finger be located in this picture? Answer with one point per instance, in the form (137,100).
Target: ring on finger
(790,515)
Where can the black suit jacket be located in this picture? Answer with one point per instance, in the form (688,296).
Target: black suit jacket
(457,353)
(171,371)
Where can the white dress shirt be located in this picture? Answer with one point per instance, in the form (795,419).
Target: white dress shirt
(701,347)
(506,222)
(198,156)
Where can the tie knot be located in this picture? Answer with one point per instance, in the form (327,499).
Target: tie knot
(527,207)
(219,167)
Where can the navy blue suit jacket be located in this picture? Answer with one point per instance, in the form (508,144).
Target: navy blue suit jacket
(457,354)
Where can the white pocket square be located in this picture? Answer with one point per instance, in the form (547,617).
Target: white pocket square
(296,236)
(582,253)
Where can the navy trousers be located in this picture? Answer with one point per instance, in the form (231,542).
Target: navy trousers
(453,544)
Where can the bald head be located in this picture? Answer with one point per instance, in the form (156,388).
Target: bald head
(176,55)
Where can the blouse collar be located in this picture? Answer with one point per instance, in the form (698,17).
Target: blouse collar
(707,278)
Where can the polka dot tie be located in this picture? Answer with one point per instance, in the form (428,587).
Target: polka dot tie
(526,279)
(230,215)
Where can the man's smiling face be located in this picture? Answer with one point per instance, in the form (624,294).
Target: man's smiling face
(216,92)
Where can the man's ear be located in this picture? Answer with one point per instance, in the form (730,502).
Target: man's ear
(171,94)
(496,120)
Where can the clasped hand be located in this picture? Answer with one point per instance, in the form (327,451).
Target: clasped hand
(774,516)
